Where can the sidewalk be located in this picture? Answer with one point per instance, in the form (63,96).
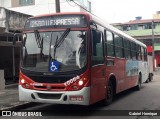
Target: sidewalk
(157,71)
(9,98)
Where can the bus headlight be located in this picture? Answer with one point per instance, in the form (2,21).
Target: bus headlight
(80,82)
(22,81)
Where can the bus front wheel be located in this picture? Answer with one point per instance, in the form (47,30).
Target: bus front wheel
(109,93)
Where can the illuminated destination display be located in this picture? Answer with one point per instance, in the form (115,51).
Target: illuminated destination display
(68,21)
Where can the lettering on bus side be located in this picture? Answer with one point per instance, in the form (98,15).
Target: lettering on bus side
(71,81)
(131,68)
(36,84)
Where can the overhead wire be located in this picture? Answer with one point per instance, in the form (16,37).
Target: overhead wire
(82,7)
(91,12)
(68,1)
(32,7)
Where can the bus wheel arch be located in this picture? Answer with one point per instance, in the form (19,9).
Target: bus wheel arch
(110,90)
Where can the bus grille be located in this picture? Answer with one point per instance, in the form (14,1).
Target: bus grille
(49,96)
(52,87)
(44,79)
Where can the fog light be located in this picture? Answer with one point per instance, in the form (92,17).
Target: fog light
(80,82)
(27,86)
(75,87)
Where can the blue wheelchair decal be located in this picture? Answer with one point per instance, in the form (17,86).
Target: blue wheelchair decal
(54,66)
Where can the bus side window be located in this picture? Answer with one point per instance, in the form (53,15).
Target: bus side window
(145,54)
(127,50)
(134,51)
(97,47)
(142,53)
(139,52)
(109,44)
(118,41)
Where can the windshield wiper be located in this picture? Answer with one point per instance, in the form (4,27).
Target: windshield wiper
(39,39)
(60,40)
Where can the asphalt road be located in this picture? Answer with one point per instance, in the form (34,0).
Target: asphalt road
(148,98)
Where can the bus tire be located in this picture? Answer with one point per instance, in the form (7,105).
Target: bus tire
(139,84)
(109,94)
(150,77)
(147,80)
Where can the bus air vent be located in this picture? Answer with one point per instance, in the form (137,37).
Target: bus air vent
(49,96)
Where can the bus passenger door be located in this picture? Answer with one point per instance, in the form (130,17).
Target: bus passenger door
(98,69)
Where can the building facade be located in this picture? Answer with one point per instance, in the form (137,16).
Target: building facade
(157,15)
(38,7)
(11,23)
(146,31)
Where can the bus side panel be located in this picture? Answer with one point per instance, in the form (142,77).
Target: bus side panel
(120,74)
(143,68)
(150,64)
(116,67)
(131,72)
(98,83)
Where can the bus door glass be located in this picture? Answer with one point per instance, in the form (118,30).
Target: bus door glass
(98,68)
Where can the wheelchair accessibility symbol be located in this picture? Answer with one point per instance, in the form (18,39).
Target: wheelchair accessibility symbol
(54,66)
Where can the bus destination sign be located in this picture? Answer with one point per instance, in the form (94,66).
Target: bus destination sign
(62,21)
(55,22)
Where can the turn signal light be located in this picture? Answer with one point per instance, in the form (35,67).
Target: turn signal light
(26,85)
(75,87)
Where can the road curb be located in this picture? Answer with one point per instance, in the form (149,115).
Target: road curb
(11,85)
(18,106)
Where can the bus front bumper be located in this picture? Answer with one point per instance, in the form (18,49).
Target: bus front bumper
(80,97)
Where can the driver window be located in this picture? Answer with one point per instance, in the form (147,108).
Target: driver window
(97,47)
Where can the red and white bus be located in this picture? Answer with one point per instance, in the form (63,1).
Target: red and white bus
(75,58)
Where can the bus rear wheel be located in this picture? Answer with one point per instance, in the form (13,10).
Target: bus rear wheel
(150,77)
(139,84)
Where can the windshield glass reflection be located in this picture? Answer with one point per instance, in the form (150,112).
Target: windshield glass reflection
(70,55)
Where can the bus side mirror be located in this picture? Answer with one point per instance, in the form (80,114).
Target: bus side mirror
(24,39)
(93,24)
(16,37)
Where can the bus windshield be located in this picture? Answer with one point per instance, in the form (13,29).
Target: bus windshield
(42,54)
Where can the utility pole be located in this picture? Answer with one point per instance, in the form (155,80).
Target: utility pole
(57,5)
(153,53)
